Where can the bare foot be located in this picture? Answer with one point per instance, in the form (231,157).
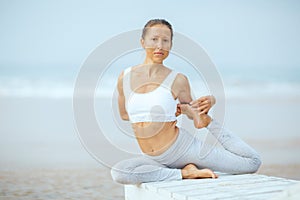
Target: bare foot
(201,120)
(190,171)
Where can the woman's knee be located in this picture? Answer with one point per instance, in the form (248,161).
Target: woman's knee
(256,163)
(252,166)
(118,176)
(122,177)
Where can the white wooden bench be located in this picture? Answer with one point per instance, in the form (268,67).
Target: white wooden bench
(247,186)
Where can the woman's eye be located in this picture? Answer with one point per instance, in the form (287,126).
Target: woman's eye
(165,40)
(154,39)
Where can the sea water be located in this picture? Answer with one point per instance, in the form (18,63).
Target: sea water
(37,116)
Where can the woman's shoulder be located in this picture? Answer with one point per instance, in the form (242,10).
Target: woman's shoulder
(180,76)
(181,79)
(126,70)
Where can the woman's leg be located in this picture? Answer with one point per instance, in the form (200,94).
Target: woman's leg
(142,170)
(239,157)
(236,157)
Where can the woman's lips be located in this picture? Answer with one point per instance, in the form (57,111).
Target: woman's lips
(158,53)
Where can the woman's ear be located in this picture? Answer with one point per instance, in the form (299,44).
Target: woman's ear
(142,41)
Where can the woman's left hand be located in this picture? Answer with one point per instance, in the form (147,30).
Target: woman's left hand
(178,110)
(203,104)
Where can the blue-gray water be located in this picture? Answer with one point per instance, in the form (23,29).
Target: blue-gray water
(59,82)
(37,119)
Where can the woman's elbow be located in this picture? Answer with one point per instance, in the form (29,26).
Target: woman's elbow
(125,117)
(198,125)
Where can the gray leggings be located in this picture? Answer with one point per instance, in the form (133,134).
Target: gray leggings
(236,157)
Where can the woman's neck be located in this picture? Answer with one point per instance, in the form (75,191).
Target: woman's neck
(152,68)
(150,61)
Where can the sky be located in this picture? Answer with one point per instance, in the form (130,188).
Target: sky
(237,34)
(242,34)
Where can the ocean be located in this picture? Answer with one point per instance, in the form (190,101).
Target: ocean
(37,117)
(241,81)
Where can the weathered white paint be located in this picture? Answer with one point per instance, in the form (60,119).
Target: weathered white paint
(247,186)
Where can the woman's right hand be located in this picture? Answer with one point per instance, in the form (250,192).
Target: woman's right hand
(185,109)
(200,120)
(203,104)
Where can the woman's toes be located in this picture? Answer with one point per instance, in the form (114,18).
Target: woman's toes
(207,173)
(192,172)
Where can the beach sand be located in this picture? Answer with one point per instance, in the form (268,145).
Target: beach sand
(42,157)
(59,184)
(85,183)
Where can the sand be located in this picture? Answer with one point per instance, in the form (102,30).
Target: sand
(42,157)
(85,183)
(59,184)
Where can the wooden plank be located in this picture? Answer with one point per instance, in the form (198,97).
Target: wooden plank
(194,192)
(247,186)
(214,183)
(156,185)
(200,186)
(264,196)
(164,188)
(260,189)
(243,189)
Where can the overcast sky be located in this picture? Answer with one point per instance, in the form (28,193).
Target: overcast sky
(235,33)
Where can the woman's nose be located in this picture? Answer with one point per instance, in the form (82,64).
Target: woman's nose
(159,44)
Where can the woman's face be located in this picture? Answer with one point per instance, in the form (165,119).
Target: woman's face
(157,43)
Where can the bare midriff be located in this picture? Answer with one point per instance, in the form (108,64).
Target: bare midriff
(154,138)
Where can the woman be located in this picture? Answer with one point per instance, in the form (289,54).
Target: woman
(148,95)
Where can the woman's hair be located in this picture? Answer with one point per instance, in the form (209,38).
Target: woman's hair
(154,22)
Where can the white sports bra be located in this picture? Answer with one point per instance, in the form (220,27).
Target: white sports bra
(154,106)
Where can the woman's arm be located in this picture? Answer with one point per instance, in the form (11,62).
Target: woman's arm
(193,109)
(182,91)
(121,98)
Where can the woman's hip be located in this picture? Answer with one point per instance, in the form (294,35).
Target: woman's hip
(182,144)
